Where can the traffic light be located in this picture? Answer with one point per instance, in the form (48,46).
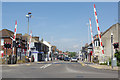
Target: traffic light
(116,45)
(7,45)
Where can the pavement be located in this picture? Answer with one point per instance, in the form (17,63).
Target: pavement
(55,69)
(99,66)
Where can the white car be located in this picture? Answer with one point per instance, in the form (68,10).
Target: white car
(74,59)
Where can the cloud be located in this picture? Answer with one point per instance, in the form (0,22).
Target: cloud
(67,40)
(76,46)
(67,44)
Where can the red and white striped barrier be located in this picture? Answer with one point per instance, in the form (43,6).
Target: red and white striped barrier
(14,34)
(91,35)
(15,31)
(2,54)
(98,29)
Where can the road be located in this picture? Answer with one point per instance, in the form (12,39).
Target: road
(56,69)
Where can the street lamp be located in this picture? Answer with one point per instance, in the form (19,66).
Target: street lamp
(28,16)
(112,50)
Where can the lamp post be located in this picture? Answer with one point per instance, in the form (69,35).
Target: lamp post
(28,16)
(112,50)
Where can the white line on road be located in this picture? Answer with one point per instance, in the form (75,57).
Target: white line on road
(46,65)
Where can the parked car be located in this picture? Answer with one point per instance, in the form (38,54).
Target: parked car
(66,59)
(61,58)
(74,59)
(77,58)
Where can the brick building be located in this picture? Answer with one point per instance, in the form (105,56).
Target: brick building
(6,37)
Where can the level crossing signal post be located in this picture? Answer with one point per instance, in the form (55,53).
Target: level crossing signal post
(7,46)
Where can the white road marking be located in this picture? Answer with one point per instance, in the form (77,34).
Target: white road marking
(46,65)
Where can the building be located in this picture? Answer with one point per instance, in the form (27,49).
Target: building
(55,53)
(84,52)
(48,57)
(39,50)
(7,37)
(106,40)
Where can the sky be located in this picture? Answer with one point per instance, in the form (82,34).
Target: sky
(63,24)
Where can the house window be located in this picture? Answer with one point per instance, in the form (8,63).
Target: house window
(96,43)
(99,43)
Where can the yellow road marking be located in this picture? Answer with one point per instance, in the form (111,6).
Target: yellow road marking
(38,62)
(12,65)
(82,63)
(27,64)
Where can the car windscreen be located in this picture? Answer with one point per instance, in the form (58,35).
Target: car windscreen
(74,58)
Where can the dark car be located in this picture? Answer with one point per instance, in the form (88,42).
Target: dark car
(61,58)
(66,59)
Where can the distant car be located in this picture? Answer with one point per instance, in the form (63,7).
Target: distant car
(61,58)
(74,59)
(77,58)
(66,59)
(58,57)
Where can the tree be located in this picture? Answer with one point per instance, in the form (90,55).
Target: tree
(42,40)
(72,54)
(67,51)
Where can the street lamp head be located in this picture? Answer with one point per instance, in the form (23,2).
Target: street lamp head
(28,16)
(29,13)
(111,34)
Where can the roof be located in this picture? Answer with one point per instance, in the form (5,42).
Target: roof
(105,31)
(36,38)
(18,35)
(6,33)
(24,37)
(26,34)
(46,43)
(110,28)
